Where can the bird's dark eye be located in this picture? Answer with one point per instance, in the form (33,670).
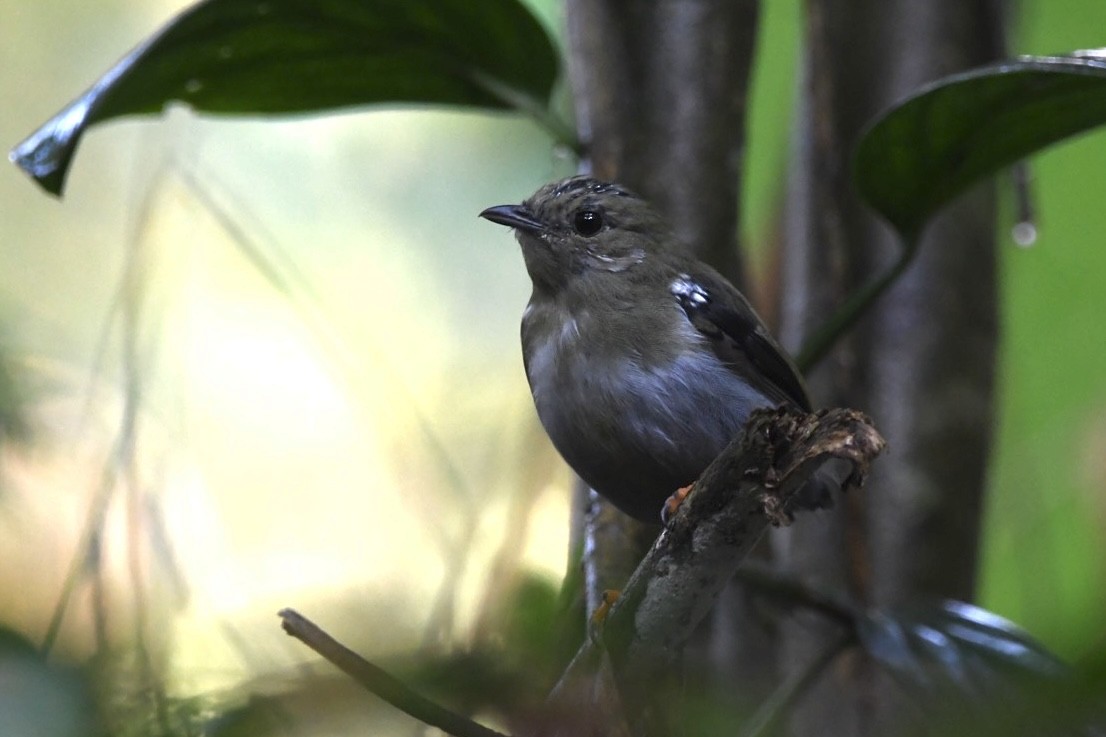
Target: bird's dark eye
(588,222)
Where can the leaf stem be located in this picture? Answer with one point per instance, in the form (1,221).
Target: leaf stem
(840,322)
(539,112)
(788,693)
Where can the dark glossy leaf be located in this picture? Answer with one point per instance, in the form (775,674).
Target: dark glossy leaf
(928,149)
(990,636)
(957,650)
(1072,705)
(935,645)
(305,56)
(887,641)
(957,665)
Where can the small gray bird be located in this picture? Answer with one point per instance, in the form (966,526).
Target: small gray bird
(644,362)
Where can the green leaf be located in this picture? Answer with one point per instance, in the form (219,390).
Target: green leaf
(263,57)
(931,147)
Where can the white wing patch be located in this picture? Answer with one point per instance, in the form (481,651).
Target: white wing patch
(683,287)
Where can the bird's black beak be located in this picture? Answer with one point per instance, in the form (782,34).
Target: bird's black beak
(513,216)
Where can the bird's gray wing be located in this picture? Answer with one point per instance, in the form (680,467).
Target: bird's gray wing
(734,331)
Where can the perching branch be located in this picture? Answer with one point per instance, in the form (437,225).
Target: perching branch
(767,718)
(377,681)
(659,91)
(749,487)
(745,490)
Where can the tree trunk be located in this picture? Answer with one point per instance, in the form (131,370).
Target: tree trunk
(660,89)
(921,362)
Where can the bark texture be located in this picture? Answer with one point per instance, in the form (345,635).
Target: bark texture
(750,486)
(659,88)
(921,362)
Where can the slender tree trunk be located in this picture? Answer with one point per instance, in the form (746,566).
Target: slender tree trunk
(659,89)
(921,363)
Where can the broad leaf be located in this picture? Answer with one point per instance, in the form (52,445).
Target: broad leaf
(305,56)
(956,664)
(934,145)
(956,649)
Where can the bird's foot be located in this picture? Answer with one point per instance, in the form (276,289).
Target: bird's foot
(599,616)
(672,503)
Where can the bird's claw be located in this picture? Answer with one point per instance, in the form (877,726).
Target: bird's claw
(672,503)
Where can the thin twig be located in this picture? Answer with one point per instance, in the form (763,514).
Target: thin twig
(763,580)
(378,682)
(766,718)
(87,554)
(135,286)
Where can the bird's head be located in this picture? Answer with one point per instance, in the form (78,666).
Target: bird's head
(580,225)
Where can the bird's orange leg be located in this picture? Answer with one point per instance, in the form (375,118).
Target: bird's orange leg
(672,503)
(609,597)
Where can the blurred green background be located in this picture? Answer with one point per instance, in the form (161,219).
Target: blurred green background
(331,408)
(1044,561)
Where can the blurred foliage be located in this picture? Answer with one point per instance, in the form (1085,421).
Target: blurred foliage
(1071,705)
(1044,560)
(511,669)
(952,662)
(13,419)
(40,699)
